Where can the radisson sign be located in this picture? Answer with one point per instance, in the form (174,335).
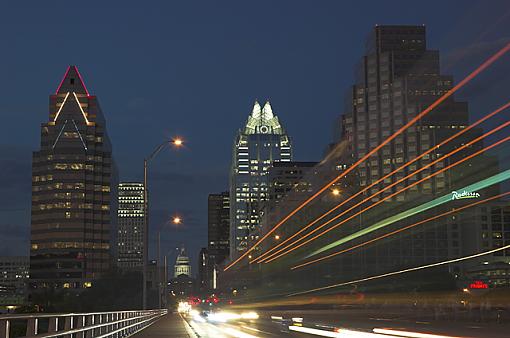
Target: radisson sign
(464,194)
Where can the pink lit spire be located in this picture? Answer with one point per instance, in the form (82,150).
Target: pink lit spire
(72,82)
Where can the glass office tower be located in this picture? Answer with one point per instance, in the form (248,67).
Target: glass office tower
(73,192)
(261,142)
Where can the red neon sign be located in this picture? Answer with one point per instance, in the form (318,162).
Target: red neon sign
(478,284)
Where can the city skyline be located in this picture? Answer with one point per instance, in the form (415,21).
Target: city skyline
(175,168)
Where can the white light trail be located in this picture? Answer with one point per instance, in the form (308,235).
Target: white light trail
(409,334)
(339,333)
(236,333)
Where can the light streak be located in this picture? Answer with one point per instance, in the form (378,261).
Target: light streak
(236,333)
(462,131)
(61,106)
(436,103)
(315,332)
(413,211)
(399,230)
(81,109)
(275,255)
(62,81)
(338,333)
(409,334)
(422,267)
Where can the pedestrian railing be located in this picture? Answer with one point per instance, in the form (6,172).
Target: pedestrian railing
(118,324)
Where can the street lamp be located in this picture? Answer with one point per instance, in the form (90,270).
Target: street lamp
(175,220)
(177,142)
(335,191)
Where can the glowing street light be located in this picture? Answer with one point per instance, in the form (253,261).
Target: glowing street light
(178,142)
(277,237)
(176,220)
(335,191)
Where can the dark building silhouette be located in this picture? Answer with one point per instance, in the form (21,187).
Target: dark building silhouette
(203,279)
(218,232)
(73,192)
(285,177)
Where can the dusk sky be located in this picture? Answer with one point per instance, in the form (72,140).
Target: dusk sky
(194,68)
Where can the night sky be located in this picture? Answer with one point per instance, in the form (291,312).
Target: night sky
(193,69)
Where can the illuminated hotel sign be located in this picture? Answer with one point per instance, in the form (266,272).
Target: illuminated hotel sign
(478,284)
(464,194)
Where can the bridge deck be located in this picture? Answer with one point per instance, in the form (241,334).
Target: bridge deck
(171,325)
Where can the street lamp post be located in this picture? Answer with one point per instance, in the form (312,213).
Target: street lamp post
(176,220)
(177,143)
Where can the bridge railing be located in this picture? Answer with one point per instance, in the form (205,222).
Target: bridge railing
(116,324)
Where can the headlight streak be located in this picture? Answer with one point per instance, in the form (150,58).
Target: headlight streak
(339,333)
(462,131)
(409,334)
(236,333)
(436,103)
(422,267)
(399,230)
(275,256)
(223,317)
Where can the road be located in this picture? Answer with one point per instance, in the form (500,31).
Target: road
(317,323)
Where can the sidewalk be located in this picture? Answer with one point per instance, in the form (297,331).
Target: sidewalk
(170,325)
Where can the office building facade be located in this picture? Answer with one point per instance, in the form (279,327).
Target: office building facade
(397,79)
(131,223)
(13,280)
(73,189)
(257,146)
(218,227)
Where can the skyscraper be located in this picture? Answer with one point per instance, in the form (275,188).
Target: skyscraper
(218,234)
(261,142)
(73,184)
(396,80)
(131,222)
(218,227)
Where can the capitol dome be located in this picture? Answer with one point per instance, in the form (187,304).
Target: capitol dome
(182,266)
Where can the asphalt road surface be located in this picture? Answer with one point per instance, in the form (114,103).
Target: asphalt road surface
(315,323)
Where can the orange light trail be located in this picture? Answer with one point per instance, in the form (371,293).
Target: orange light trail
(267,258)
(460,259)
(462,131)
(436,103)
(400,230)
(383,199)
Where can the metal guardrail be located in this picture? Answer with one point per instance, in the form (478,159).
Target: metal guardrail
(117,324)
